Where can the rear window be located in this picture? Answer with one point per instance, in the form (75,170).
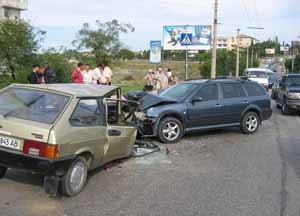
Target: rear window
(257,74)
(232,90)
(254,90)
(32,105)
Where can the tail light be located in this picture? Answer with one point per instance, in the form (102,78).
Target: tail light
(40,149)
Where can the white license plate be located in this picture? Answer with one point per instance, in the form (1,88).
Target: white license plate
(11,143)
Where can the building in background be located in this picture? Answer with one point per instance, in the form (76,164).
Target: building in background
(11,9)
(244,42)
(222,43)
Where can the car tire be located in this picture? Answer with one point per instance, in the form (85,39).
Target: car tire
(75,179)
(170,130)
(285,109)
(250,123)
(2,171)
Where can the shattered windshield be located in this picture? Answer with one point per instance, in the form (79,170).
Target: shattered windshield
(32,105)
(178,92)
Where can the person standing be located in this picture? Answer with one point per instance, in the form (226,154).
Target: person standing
(163,81)
(49,74)
(87,75)
(96,75)
(107,74)
(33,78)
(149,81)
(77,74)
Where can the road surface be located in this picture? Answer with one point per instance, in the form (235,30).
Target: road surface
(213,173)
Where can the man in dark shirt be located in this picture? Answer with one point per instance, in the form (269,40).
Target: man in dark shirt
(33,78)
(49,74)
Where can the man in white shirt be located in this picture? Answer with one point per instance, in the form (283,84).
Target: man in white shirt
(107,74)
(97,75)
(87,75)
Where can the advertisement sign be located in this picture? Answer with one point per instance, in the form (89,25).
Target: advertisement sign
(270,51)
(187,37)
(155,52)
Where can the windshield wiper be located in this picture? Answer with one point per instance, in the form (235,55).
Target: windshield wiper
(25,104)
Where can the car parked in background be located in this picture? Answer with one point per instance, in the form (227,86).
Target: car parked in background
(259,75)
(61,131)
(288,98)
(205,104)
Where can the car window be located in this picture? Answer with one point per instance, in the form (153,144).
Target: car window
(257,74)
(32,105)
(208,92)
(254,90)
(86,114)
(293,81)
(178,92)
(232,90)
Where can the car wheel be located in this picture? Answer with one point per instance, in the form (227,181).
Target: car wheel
(2,171)
(170,130)
(285,109)
(250,123)
(75,179)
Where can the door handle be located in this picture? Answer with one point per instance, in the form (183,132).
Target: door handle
(114,133)
(246,102)
(218,105)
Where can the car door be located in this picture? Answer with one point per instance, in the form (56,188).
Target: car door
(234,102)
(121,135)
(204,108)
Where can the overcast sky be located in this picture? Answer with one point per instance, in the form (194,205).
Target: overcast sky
(63,18)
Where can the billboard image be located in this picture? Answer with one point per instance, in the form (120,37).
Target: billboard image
(270,51)
(155,52)
(187,37)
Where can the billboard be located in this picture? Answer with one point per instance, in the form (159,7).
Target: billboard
(284,49)
(187,37)
(270,51)
(155,52)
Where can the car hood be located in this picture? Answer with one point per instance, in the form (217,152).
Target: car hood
(294,89)
(154,100)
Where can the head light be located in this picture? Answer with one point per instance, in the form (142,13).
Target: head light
(152,112)
(294,96)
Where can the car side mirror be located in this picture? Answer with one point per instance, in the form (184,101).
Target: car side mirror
(196,99)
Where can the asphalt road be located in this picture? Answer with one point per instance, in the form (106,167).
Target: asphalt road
(213,173)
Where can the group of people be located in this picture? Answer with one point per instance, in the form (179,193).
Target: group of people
(159,80)
(42,74)
(101,75)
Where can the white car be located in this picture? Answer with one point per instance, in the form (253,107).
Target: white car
(260,75)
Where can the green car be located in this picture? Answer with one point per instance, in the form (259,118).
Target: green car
(62,131)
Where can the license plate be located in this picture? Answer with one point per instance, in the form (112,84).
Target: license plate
(11,143)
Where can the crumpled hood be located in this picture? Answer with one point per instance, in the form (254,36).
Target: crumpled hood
(154,100)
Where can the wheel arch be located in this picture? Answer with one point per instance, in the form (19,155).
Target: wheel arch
(254,109)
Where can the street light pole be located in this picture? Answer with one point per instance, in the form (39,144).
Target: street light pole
(238,54)
(214,49)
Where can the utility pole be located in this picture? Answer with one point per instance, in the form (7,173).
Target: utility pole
(214,49)
(238,53)
(247,64)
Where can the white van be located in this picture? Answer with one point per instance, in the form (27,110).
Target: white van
(260,75)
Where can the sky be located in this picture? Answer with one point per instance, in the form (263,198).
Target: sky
(62,19)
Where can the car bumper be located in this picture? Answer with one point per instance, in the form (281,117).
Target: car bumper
(294,104)
(34,164)
(267,114)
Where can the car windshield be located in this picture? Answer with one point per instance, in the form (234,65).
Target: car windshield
(293,81)
(178,92)
(32,105)
(257,74)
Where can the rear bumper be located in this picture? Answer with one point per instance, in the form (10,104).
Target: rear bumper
(42,166)
(267,114)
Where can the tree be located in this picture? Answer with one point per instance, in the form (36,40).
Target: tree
(125,54)
(103,41)
(289,64)
(19,42)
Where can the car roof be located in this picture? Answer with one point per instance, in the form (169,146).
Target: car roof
(78,90)
(230,80)
(292,74)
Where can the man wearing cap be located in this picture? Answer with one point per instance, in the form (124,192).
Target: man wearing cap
(49,74)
